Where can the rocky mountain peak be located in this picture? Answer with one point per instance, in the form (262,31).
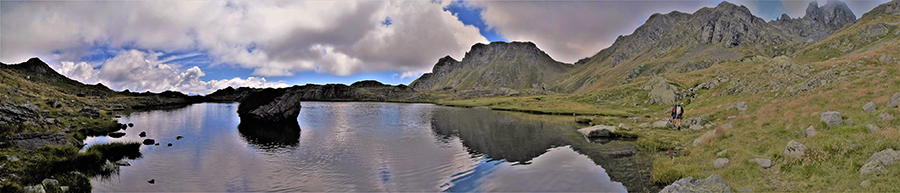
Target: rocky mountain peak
(834,13)
(505,51)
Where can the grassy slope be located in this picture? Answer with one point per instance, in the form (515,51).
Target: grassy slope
(773,119)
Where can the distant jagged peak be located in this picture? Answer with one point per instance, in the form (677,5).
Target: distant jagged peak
(446,59)
(504,50)
(833,12)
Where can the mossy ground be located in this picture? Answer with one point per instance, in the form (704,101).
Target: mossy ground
(63,163)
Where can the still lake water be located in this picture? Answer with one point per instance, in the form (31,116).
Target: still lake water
(369,147)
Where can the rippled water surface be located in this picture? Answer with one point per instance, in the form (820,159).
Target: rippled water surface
(371,147)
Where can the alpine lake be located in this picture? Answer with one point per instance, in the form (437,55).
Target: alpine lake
(371,147)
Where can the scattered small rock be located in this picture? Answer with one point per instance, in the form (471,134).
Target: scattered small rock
(149,141)
(742,106)
(130,124)
(696,127)
(712,184)
(731,117)
(142,134)
(91,112)
(794,149)
(865,183)
(809,132)
(763,162)
(662,124)
(151,181)
(885,117)
(156,144)
(720,163)
(831,118)
(50,184)
(848,122)
(179,137)
(729,125)
(871,128)
(623,126)
(869,107)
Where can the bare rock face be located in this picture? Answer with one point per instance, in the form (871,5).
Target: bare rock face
(661,92)
(270,106)
(21,114)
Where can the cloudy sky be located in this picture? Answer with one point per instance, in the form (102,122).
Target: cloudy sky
(200,46)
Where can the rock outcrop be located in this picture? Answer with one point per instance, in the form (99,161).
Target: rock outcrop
(598,131)
(712,184)
(894,102)
(660,91)
(27,114)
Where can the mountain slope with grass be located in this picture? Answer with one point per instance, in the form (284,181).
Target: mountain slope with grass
(751,109)
(513,65)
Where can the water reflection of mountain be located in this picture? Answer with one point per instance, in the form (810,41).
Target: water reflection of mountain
(268,136)
(502,136)
(498,136)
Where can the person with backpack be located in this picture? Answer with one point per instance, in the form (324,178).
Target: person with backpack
(677,114)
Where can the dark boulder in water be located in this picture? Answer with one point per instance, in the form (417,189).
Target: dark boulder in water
(149,141)
(142,134)
(270,106)
(270,134)
(116,134)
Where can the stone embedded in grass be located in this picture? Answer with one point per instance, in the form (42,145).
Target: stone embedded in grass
(865,183)
(885,117)
(794,149)
(665,123)
(705,137)
(809,132)
(729,125)
(722,153)
(696,127)
(712,184)
(763,162)
(720,163)
(869,107)
(877,162)
(894,102)
(742,106)
(623,126)
(831,118)
(871,128)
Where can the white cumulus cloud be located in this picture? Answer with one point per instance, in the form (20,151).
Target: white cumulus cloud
(140,71)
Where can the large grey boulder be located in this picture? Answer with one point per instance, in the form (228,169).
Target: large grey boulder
(894,102)
(877,162)
(598,131)
(665,123)
(763,162)
(794,149)
(705,137)
(712,184)
(696,121)
(831,118)
(660,91)
(869,107)
(271,106)
(885,117)
(36,140)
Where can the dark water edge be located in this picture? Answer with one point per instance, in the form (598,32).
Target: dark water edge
(368,146)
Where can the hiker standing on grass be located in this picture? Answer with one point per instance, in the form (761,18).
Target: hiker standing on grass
(677,113)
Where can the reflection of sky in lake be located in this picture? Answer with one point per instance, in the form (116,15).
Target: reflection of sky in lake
(370,147)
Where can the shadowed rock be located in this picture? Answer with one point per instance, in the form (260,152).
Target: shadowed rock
(270,134)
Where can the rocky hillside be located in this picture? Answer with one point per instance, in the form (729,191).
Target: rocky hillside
(513,65)
(366,90)
(682,42)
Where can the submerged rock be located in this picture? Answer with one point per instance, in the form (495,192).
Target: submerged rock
(271,106)
(712,184)
(116,134)
(149,141)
